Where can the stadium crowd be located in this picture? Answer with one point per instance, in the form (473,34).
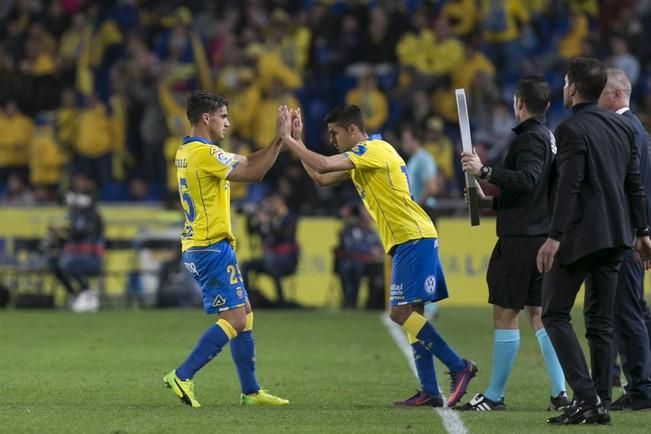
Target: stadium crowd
(99,88)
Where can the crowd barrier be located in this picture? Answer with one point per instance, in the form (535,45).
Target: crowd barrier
(140,238)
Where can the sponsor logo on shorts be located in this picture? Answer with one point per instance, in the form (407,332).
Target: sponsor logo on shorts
(218,301)
(430,284)
(396,290)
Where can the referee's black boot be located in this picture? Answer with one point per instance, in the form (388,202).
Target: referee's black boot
(582,413)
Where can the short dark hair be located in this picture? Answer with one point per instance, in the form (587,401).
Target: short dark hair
(203,101)
(345,115)
(588,75)
(534,91)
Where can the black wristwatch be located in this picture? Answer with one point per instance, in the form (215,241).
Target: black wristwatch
(642,232)
(484,172)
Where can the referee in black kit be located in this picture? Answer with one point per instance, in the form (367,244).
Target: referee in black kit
(523,210)
(599,212)
(631,335)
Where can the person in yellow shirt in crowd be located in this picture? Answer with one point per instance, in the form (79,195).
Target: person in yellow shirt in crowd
(371,100)
(177,125)
(444,102)
(571,43)
(441,148)
(415,46)
(501,21)
(70,45)
(474,62)
(244,97)
(47,159)
(462,16)
(40,52)
(94,144)
(265,114)
(448,50)
(67,120)
(435,52)
(269,66)
(14,142)
(290,39)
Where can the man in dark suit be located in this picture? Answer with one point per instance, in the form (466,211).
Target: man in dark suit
(631,335)
(599,212)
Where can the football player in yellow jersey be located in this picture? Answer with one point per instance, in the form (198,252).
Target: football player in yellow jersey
(204,171)
(407,234)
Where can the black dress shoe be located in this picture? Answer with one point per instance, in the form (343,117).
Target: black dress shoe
(582,412)
(630,401)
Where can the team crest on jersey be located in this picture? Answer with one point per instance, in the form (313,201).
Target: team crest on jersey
(359,150)
(218,301)
(239,292)
(430,284)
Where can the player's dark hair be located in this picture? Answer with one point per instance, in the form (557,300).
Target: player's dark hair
(534,91)
(345,115)
(588,75)
(203,101)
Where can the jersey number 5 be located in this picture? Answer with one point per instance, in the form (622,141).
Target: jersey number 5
(188,204)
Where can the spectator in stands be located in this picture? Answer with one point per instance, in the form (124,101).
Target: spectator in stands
(83,248)
(371,100)
(418,111)
(379,43)
(623,59)
(94,144)
(461,14)
(502,22)
(358,248)
(421,171)
(47,159)
(496,133)
(440,147)
(276,225)
(264,117)
(474,63)
(16,136)
(67,119)
(17,192)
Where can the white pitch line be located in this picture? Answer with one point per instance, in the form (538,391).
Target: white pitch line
(451,420)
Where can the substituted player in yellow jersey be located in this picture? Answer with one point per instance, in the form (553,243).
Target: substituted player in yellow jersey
(203,172)
(407,234)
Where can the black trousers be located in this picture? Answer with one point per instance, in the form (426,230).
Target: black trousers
(631,334)
(600,271)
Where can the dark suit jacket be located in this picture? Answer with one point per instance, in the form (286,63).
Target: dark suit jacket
(642,147)
(599,196)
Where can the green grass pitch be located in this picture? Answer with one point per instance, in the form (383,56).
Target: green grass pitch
(67,373)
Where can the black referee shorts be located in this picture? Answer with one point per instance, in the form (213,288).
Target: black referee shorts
(512,277)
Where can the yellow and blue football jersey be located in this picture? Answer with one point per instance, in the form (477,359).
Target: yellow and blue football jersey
(201,172)
(380,177)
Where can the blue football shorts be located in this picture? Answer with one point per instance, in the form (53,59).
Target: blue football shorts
(215,269)
(416,273)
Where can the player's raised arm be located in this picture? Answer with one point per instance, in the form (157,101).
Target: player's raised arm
(320,164)
(322,180)
(253,167)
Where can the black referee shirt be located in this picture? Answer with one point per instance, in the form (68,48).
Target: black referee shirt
(524,204)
